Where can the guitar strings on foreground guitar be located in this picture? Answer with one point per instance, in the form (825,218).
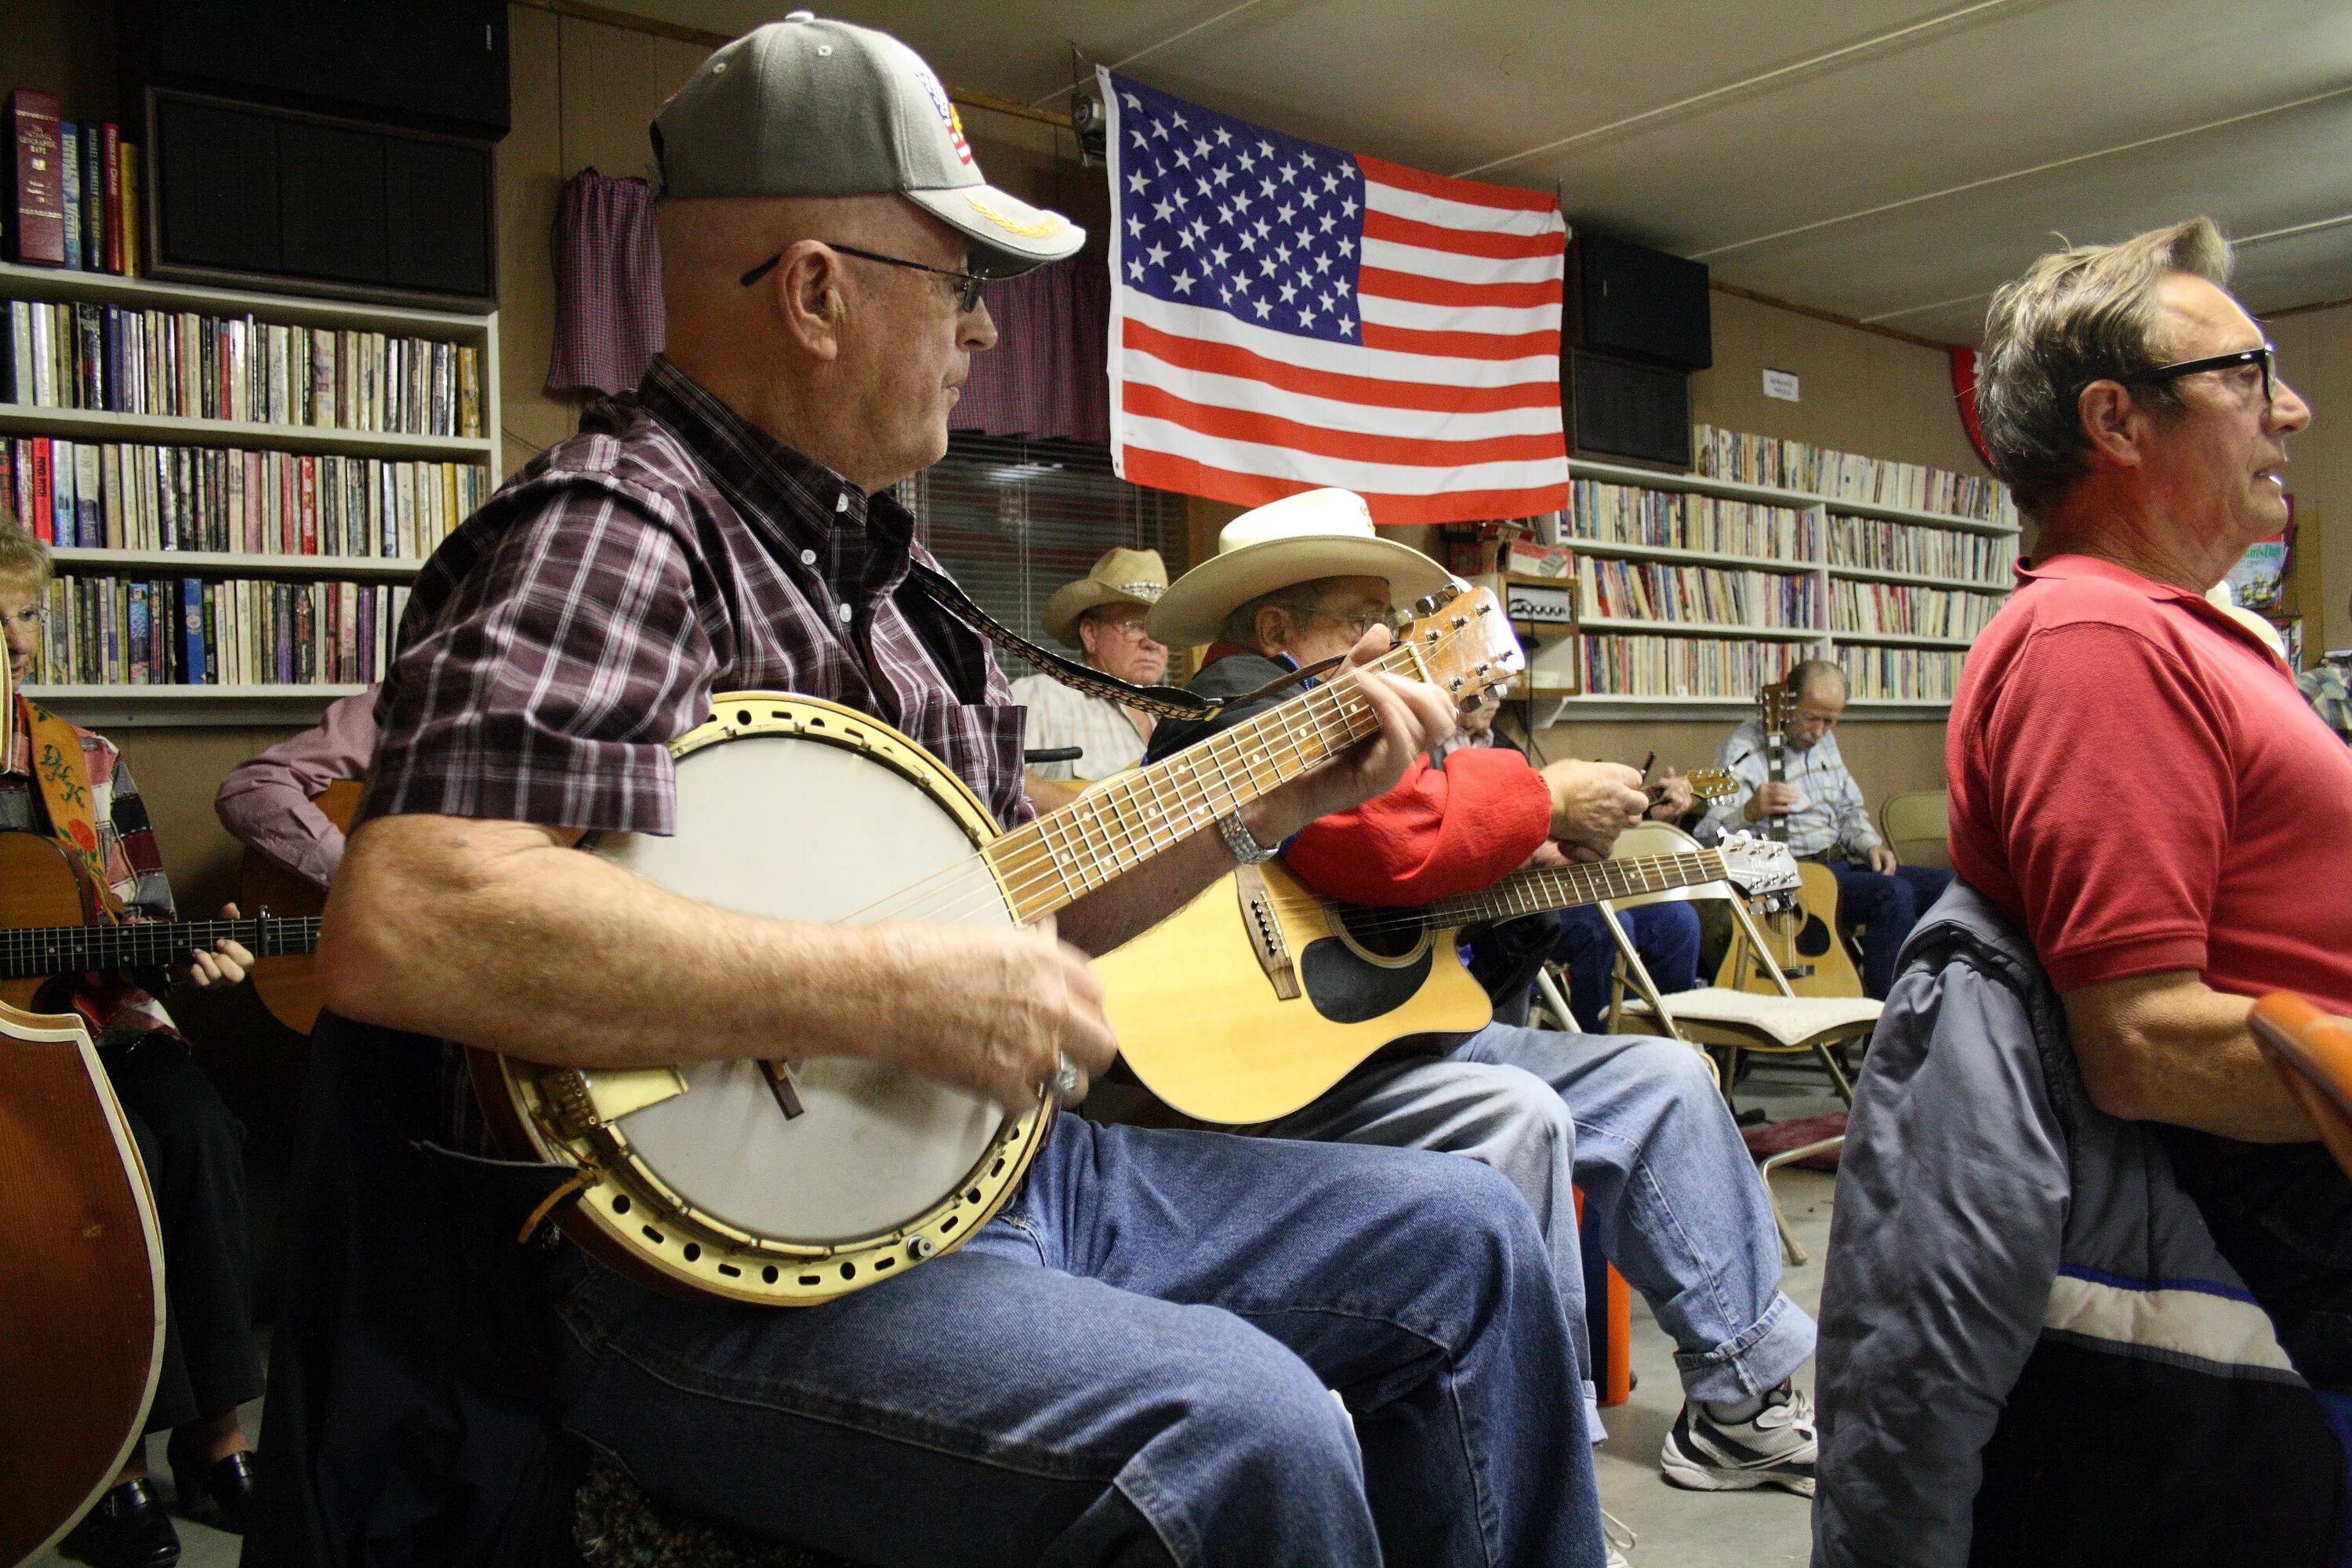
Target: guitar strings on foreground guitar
(1801,935)
(795,1180)
(1260,994)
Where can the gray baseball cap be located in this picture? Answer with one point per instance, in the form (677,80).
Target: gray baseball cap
(810,108)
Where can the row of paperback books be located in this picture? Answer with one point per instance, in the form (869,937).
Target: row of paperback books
(126,631)
(1682,666)
(1676,519)
(77,189)
(123,360)
(1848,476)
(126,495)
(1878,545)
(1654,590)
(1901,674)
(1902,609)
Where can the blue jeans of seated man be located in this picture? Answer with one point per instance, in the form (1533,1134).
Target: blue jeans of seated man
(1129,1365)
(1670,1189)
(1886,908)
(1665,935)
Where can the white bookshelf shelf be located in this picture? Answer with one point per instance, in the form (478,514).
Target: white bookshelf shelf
(1901,639)
(1701,630)
(234,563)
(1611,550)
(99,424)
(1964,585)
(21,283)
(160,707)
(1771,495)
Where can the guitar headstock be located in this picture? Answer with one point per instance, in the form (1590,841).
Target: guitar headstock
(1775,706)
(1710,784)
(1759,868)
(1465,643)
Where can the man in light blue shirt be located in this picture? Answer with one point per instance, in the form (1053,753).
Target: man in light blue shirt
(1825,819)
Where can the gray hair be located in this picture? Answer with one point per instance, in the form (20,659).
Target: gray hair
(1239,625)
(2078,315)
(24,559)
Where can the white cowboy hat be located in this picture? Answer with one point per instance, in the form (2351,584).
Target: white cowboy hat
(1315,534)
(1119,577)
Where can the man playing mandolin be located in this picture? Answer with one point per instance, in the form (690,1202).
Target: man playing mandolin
(1130,1363)
(71,784)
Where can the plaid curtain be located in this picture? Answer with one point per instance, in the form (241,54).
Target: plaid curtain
(1046,377)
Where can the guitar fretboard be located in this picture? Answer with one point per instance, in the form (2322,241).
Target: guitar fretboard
(69,950)
(1565,887)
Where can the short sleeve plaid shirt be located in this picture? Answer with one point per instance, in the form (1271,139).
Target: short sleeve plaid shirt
(580,621)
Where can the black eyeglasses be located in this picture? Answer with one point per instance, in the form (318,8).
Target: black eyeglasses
(967,294)
(2265,356)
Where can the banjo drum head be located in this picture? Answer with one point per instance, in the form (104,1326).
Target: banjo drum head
(775,824)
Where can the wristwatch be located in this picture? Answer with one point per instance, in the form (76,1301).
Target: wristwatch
(1246,848)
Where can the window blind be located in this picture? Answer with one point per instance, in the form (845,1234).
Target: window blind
(1013,520)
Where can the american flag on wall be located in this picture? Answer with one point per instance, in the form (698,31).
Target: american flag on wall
(1284,316)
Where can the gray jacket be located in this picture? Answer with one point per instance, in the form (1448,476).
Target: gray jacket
(2031,1350)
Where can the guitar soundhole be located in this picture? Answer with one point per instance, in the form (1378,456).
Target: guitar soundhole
(620,1203)
(1815,940)
(694,1252)
(1384,933)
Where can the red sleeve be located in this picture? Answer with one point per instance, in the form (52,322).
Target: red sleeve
(1441,831)
(2107,766)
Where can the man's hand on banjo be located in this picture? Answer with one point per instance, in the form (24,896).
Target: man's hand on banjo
(995,1011)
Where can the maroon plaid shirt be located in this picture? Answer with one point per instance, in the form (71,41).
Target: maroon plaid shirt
(578,622)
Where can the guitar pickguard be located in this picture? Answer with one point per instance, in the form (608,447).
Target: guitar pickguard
(1347,989)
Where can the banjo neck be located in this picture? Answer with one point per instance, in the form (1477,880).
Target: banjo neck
(1070,852)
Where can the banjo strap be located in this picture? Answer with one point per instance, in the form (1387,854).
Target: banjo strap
(1167,701)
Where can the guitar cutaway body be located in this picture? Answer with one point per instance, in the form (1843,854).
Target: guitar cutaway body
(1202,1019)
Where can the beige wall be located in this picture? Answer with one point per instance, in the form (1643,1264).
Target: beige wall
(2316,355)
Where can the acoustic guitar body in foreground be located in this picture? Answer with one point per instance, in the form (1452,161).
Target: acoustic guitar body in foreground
(37,888)
(82,1293)
(1204,1022)
(288,986)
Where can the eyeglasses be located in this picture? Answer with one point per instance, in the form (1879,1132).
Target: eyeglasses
(1361,622)
(1133,629)
(2265,356)
(967,294)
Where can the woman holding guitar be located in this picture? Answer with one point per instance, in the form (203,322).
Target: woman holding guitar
(62,782)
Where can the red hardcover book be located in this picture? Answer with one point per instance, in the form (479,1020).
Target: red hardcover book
(310,506)
(38,225)
(44,492)
(111,150)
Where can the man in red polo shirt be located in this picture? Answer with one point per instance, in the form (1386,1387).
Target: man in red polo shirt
(2135,778)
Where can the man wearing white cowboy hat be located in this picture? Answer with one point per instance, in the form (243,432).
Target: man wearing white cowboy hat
(1634,1120)
(1101,615)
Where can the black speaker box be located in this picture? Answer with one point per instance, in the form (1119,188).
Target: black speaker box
(1617,408)
(429,65)
(1641,303)
(250,195)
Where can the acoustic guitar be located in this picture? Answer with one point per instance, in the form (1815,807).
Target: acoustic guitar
(42,933)
(81,1299)
(1259,995)
(287,984)
(792,1180)
(1801,936)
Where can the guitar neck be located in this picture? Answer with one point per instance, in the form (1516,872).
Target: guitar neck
(1566,886)
(1070,852)
(69,950)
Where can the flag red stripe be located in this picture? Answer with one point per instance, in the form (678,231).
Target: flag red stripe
(1224,359)
(1424,289)
(1460,241)
(1447,188)
(1270,430)
(1162,471)
(1459,345)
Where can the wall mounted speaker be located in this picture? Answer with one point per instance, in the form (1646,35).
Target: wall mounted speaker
(1640,303)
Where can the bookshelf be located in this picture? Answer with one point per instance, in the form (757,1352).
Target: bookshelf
(1894,592)
(386,478)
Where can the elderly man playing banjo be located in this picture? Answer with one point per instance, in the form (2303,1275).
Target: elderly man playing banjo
(1132,1362)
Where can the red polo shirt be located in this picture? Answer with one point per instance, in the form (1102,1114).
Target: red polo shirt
(2137,783)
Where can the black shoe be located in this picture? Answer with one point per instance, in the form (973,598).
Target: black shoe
(128,1529)
(220,1494)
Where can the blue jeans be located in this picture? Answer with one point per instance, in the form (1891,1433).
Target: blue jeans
(1131,1366)
(1670,1190)
(1886,908)
(1665,935)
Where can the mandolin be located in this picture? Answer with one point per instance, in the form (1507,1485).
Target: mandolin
(41,934)
(1256,997)
(1802,934)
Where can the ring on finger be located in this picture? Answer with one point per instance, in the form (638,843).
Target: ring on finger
(1067,1079)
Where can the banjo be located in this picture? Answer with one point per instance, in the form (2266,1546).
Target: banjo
(795,1180)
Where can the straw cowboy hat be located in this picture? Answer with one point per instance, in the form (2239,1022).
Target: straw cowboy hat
(1317,533)
(1120,578)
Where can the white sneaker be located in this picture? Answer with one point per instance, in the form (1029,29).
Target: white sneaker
(1774,1447)
(1618,1539)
